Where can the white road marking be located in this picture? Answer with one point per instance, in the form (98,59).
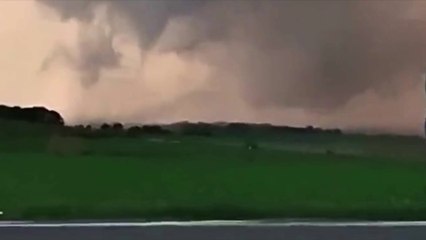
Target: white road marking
(29,224)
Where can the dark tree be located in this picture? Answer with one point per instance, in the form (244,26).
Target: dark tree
(134,131)
(34,115)
(154,129)
(105,126)
(117,126)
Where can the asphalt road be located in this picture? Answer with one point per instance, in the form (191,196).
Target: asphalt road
(200,232)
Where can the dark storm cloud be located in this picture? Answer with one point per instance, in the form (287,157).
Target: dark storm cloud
(320,54)
(148,18)
(306,54)
(95,53)
(80,9)
(95,43)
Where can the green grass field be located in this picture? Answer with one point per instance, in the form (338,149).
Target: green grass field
(178,177)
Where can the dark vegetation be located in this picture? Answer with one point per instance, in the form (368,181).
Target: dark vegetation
(49,117)
(203,171)
(192,129)
(33,115)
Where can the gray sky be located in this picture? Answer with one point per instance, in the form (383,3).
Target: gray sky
(347,64)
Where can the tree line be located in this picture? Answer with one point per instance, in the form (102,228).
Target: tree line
(50,117)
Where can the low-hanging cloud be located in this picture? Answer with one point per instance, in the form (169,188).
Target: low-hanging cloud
(315,57)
